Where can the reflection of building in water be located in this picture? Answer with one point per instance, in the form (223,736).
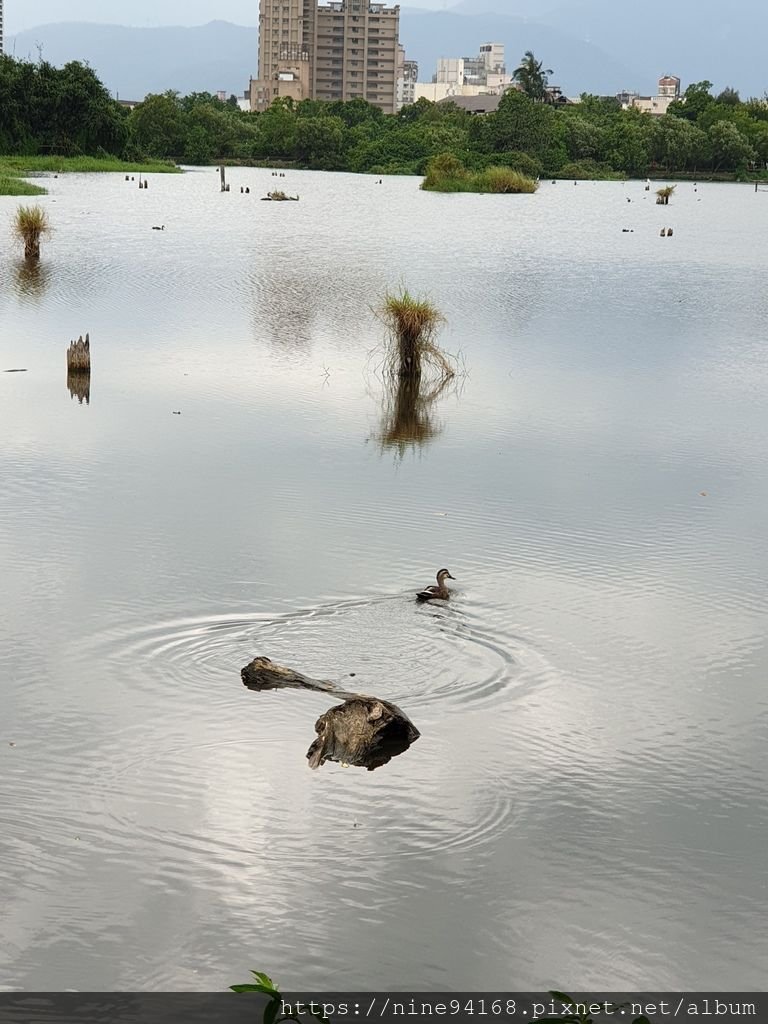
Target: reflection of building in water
(285,307)
(342,50)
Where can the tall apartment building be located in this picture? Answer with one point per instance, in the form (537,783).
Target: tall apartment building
(336,51)
(408,76)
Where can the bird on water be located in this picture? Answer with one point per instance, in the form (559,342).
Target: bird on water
(439,592)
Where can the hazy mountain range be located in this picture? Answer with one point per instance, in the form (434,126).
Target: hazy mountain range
(593,45)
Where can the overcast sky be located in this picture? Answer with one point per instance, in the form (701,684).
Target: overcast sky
(21,14)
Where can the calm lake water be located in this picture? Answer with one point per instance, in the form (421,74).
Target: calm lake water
(588,802)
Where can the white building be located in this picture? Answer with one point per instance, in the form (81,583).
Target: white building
(492,55)
(668,93)
(407,76)
(487,72)
(450,71)
(436,91)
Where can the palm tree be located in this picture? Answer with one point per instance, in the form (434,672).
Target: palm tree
(532,76)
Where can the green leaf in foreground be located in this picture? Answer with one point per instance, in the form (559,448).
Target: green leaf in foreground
(565,999)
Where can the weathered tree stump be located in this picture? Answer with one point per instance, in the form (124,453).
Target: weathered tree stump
(363,731)
(79,355)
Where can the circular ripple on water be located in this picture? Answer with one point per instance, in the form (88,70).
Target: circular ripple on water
(434,654)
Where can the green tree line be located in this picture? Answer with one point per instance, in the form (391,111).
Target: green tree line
(68,111)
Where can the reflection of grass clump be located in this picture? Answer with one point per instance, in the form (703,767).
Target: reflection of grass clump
(445,173)
(412,324)
(407,419)
(30,225)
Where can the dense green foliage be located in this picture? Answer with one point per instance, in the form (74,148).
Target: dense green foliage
(44,110)
(532,76)
(447,174)
(66,110)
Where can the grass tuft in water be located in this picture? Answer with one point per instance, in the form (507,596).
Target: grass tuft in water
(30,225)
(412,324)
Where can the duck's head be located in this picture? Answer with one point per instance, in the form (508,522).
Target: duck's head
(444,575)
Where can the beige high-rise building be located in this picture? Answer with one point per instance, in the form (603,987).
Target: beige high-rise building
(336,51)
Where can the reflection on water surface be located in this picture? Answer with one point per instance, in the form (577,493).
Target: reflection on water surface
(586,803)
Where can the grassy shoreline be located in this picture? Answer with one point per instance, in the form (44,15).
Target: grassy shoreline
(14,168)
(17,187)
(18,166)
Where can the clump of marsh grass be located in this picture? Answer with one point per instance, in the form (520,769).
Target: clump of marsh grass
(30,225)
(446,173)
(503,181)
(663,194)
(413,324)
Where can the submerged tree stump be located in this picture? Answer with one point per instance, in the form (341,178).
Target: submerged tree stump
(79,356)
(363,731)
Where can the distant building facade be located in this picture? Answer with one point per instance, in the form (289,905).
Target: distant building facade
(486,72)
(407,77)
(437,91)
(668,92)
(337,51)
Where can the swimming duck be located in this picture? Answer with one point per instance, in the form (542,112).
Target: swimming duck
(440,592)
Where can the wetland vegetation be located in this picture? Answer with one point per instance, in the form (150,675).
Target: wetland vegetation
(46,113)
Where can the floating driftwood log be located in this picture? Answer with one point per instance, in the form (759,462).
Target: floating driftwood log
(79,355)
(363,731)
(279,197)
